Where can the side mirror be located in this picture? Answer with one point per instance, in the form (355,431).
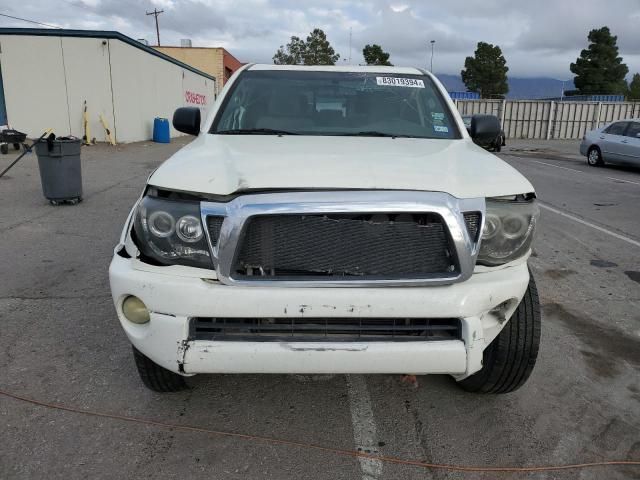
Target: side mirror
(187,120)
(484,128)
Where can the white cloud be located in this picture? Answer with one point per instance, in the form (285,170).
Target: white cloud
(398,8)
(538,38)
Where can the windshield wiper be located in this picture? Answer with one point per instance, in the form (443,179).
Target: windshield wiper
(374,133)
(255,131)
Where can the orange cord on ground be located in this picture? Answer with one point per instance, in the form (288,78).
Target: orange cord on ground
(335,451)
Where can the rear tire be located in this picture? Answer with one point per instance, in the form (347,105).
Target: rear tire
(155,377)
(509,359)
(594,157)
(4,148)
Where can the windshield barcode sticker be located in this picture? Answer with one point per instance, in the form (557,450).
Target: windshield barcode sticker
(400,82)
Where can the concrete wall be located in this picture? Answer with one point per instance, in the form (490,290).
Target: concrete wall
(158,93)
(210,60)
(34,84)
(86,61)
(47,79)
(546,119)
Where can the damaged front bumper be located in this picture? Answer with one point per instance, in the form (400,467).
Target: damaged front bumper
(175,295)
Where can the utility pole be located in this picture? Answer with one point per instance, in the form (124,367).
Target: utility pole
(155,13)
(433,42)
(350,36)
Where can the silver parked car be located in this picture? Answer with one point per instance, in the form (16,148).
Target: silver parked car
(618,142)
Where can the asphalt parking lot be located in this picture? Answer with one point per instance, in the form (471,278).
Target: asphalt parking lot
(61,343)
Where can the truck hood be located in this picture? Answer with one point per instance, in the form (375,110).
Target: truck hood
(224,164)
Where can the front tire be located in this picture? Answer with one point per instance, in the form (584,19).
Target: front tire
(155,377)
(509,359)
(594,157)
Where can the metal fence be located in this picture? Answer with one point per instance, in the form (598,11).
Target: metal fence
(547,119)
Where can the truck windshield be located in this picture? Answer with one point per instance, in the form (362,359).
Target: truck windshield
(281,102)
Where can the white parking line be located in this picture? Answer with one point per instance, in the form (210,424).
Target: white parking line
(558,166)
(364,427)
(581,171)
(589,224)
(621,180)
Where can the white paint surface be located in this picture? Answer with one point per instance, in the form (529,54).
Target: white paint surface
(223,164)
(365,432)
(442,357)
(181,297)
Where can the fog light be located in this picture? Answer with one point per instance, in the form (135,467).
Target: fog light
(135,310)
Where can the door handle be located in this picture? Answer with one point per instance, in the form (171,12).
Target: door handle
(624,141)
(601,137)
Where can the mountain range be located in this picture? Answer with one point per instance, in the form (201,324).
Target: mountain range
(519,88)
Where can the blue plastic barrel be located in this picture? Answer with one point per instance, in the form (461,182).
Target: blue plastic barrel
(161,130)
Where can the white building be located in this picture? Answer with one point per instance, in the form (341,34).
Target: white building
(46,75)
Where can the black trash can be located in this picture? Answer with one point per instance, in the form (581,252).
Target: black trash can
(60,170)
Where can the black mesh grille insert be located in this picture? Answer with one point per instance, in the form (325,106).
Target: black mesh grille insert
(345,246)
(472,220)
(325,329)
(214,224)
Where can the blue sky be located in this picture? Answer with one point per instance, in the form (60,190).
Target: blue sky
(538,38)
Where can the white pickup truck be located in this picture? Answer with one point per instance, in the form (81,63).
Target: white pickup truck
(331,220)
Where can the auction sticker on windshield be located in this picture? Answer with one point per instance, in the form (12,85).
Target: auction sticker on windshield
(400,82)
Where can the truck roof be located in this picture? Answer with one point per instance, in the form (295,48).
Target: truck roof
(340,68)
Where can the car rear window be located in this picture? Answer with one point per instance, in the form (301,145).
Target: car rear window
(633,130)
(335,103)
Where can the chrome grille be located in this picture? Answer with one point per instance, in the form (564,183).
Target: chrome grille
(214,225)
(325,329)
(356,246)
(383,247)
(472,222)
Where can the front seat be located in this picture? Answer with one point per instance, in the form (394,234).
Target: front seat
(286,111)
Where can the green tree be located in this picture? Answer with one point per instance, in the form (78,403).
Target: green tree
(486,71)
(599,69)
(316,50)
(374,55)
(319,51)
(634,87)
(292,53)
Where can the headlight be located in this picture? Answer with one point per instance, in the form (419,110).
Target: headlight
(508,230)
(170,232)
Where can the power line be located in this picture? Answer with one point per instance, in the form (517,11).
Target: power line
(29,21)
